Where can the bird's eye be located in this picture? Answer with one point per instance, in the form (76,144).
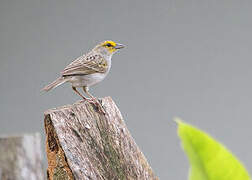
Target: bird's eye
(109,45)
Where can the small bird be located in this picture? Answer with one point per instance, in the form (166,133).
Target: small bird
(88,70)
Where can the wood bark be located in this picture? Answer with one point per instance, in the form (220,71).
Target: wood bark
(21,157)
(84,144)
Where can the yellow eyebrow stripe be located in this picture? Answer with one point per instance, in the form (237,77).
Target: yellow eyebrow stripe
(110,42)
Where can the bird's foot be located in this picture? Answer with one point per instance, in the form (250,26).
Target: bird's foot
(98,105)
(101,109)
(84,100)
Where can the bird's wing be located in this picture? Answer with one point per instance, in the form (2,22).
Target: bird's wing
(85,65)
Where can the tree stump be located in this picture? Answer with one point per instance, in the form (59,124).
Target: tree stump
(84,144)
(21,157)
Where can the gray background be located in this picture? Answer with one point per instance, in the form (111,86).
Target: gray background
(185,58)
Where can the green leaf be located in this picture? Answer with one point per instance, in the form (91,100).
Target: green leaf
(209,159)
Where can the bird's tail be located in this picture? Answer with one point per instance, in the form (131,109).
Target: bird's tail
(54,84)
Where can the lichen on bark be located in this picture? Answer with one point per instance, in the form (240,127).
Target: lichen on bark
(89,145)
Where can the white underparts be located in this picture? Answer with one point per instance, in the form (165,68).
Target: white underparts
(89,80)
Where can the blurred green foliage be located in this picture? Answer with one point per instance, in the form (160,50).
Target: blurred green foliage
(209,159)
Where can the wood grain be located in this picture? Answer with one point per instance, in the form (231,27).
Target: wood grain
(21,157)
(84,144)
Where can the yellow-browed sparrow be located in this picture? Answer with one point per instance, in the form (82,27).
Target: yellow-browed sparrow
(88,70)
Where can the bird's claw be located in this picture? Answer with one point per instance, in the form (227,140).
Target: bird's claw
(98,105)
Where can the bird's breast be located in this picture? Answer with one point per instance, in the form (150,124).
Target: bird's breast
(90,79)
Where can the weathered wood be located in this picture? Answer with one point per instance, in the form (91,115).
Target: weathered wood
(83,144)
(21,157)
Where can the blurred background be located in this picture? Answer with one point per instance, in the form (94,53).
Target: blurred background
(185,58)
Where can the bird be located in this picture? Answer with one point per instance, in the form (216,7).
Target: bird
(88,70)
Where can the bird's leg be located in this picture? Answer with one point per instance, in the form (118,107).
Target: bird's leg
(75,90)
(95,101)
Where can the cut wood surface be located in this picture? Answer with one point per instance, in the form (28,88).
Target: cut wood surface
(82,143)
(21,157)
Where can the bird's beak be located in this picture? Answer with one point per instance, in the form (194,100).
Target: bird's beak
(119,46)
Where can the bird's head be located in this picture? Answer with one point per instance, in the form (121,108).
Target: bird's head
(108,47)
